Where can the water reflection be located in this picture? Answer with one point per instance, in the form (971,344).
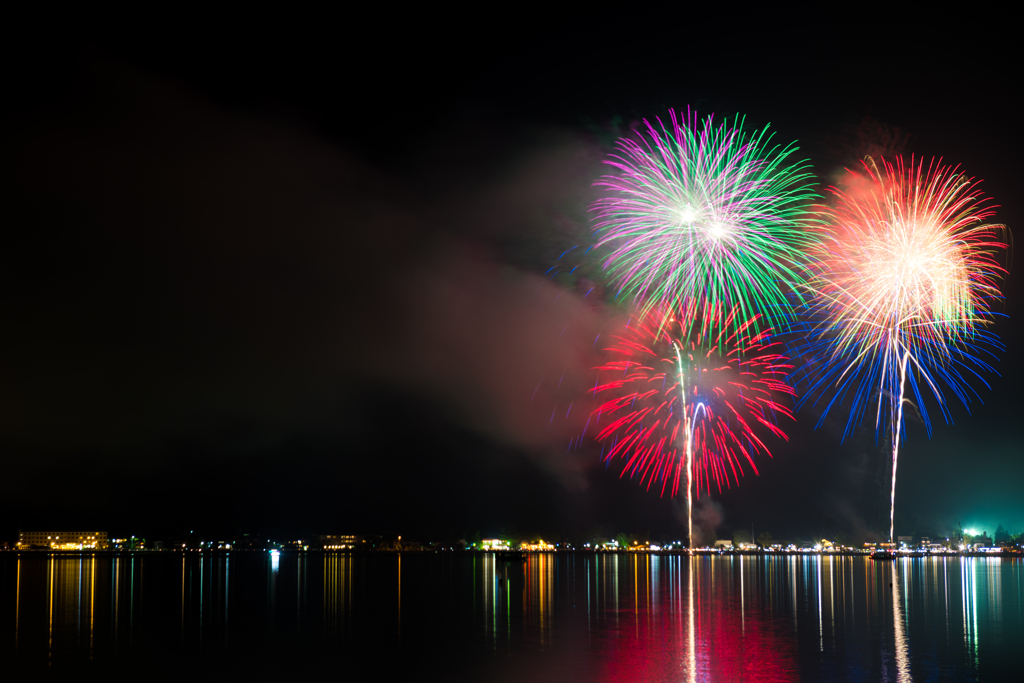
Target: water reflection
(968,591)
(635,616)
(691,651)
(902,660)
(399,593)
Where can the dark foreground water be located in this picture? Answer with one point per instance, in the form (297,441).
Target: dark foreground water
(566,617)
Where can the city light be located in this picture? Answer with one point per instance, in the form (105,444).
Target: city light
(972,542)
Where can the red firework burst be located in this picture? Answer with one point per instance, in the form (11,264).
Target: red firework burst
(691,377)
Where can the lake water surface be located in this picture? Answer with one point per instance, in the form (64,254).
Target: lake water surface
(554,617)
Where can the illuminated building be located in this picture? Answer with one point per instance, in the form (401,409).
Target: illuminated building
(343,542)
(494,544)
(539,546)
(130,543)
(62,540)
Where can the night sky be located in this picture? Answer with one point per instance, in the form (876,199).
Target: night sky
(287,274)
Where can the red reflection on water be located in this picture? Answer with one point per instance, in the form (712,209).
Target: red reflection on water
(732,639)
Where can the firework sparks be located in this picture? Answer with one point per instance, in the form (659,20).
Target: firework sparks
(707,213)
(690,391)
(902,296)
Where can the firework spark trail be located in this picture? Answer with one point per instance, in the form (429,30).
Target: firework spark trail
(698,371)
(705,212)
(902,295)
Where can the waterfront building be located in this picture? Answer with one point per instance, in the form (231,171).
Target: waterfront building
(62,540)
(130,543)
(343,542)
(539,546)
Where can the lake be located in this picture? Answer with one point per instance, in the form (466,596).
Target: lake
(553,617)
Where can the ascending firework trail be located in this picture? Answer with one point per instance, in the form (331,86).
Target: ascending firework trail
(903,292)
(704,217)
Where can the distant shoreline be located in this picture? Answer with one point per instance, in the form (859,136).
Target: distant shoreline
(676,553)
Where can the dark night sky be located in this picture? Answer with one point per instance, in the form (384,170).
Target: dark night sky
(287,274)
